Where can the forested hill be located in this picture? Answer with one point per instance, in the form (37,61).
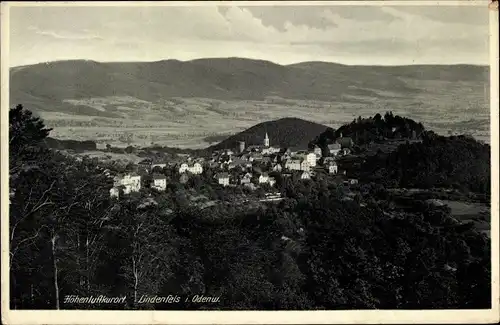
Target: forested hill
(378,127)
(458,162)
(285,132)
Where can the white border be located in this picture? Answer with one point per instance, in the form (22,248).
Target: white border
(253,317)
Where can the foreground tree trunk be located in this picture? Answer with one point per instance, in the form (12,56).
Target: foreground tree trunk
(54,261)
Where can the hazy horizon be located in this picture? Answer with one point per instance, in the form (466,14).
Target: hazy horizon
(349,35)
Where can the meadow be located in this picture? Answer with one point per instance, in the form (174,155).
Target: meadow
(196,122)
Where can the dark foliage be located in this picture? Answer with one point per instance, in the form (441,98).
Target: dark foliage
(373,129)
(76,145)
(318,248)
(458,162)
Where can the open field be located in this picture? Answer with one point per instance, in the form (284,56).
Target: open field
(186,122)
(477,213)
(466,210)
(180,104)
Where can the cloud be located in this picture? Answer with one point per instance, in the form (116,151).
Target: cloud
(352,35)
(66,35)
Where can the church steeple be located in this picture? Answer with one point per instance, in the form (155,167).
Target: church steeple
(266,140)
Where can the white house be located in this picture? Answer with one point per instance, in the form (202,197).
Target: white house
(263,178)
(333,168)
(305,175)
(293,164)
(305,166)
(159,182)
(223,179)
(114,192)
(334,148)
(311,159)
(195,168)
(297,164)
(272,181)
(183,168)
(131,182)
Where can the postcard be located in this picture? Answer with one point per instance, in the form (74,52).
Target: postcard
(250,162)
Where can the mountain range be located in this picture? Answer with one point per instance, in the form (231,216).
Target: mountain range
(49,86)
(192,104)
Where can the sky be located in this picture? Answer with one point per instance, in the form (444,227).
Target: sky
(356,35)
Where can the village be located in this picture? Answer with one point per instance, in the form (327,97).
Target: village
(250,166)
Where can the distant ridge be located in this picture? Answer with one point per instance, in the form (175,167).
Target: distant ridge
(48,86)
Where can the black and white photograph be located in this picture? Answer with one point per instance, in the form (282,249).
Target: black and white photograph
(240,156)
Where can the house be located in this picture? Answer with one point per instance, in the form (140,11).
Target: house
(353,181)
(304,165)
(222,179)
(145,164)
(195,168)
(346,151)
(297,164)
(263,178)
(333,168)
(114,192)
(293,164)
(131,182)
(305,175)
(247,178)
(277,168)
(311,159)
(159,165)
(254,148)
(334,149)
(270,150)
(318,152)
(236,162)
(328,160)
(272,181)
(159,182)
(183,168)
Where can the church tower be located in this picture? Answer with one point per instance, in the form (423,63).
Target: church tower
(266,140)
